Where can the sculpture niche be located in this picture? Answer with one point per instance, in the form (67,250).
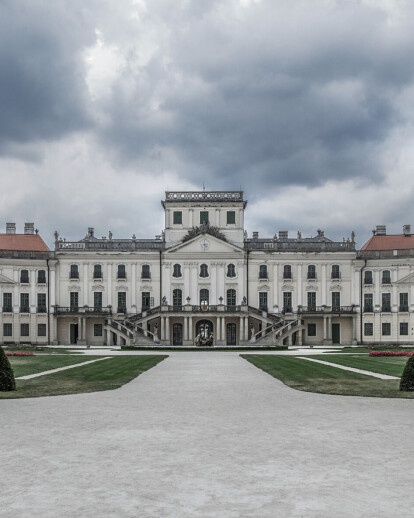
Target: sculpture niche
(205,336)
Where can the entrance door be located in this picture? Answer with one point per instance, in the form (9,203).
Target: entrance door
(74,333)
(231,334)
(177,334)
(336,333)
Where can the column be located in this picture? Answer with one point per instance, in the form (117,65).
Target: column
(220,284)
(217,223)
(185,328)
(241,329)
(395,300)
(79,328)
(218,329)
(213,278)
(246,328)
(325,336)
(329,328)
(190,328)
(323,300)
(299,303)
(167,328)
(354,330)
(240,285)
(223,328)
(275,290)
(84,329)
(134,287)
(85,285)
(356,300)
(110,285)
(162,328)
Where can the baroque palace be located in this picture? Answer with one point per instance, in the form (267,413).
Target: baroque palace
(204,281)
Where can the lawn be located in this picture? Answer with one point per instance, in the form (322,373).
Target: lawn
(313,377)
(103,375)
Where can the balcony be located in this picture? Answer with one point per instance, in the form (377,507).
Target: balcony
(368,308)
(24,309)
(386,309)
(313,310)
(41,309)
(121,310)
(404,308)
(84,310)
(7,309)
(287,309)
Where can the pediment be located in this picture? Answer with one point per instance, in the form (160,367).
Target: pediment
(409,279)
(6,280)
(205,244)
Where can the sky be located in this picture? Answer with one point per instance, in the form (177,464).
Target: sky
(306,105)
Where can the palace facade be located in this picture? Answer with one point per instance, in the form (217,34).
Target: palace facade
(205,277)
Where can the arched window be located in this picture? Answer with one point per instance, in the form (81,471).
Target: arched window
(203,270)
(177,297)
(74,272)
(231,297)
(204,296)
(263,271)
(231,270)
(386,277)
(41,277)
(177,270)
(145,273)
(97,271)
(311,271)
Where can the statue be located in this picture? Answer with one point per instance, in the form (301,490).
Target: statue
(110,236)
(204,337)
(155,330)
(164,301)
(352,237)
(244,301)
(252,330)
(299,236)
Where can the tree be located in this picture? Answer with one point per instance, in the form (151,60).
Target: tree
(7,382)
(407,378)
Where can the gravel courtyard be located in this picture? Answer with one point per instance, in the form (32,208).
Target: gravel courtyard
(206,435)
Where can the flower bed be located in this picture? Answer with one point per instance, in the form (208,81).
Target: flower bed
(19,354)
(390,353)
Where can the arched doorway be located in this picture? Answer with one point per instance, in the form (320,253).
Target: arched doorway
(177,334)
(204,329)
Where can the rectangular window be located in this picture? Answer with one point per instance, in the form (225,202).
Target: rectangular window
(336,300)
(386,277)
(24,330)
(7,303)
(7,329)
(311,329)
(311,300)
(41,329)
(403,301)
(368,302)
(386,329)
(231,217)
(146,300)
(146,273)
(97,330)
(121,271)
(24,303)
(404,328)
(386,302)
(97,300)
(178,217)
(287,301)
(97,271)
(41,303)
(203,216)
(263,300)
(335,274)
(121,301)
(41,277)
(74,300)
(368,329)
(287,271)
(74,272)
(24,276)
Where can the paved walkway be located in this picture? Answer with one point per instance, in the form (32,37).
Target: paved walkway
(206,435)
(52,371)
(351,369)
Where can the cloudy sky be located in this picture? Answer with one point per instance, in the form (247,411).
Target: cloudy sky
(308,105)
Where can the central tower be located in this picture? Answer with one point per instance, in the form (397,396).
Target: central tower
(187,209)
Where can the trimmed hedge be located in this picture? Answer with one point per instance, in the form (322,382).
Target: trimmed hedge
(390,353)
(7,382)
(407,378)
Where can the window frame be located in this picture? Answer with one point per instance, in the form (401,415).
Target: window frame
(177,215)
(314,329)
(203,219)
(231,215)
(203,273)
(177,273)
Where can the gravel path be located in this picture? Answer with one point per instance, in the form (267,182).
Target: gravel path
(206,435)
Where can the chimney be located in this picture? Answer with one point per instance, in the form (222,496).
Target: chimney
(283,234)
(381,230)
(407,230)
(29,228)
(255,235)
(10,228)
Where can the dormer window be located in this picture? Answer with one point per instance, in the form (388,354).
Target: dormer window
(203,270)
(231,270)
(177,270)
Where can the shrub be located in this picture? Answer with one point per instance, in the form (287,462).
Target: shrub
(407,378)
(19,354)
(7,382)
(390,353)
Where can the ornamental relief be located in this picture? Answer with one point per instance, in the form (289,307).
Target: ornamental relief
(288,287)
(145,288)
(74,288)
(123,287)
(312,288)
(263,287)
(335,287)
(98,287)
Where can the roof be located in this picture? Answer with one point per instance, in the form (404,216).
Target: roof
(392,242)
(23,242)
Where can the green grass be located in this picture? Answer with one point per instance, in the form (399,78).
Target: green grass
(103,375)
(313,377)
(354,350)
(391,365)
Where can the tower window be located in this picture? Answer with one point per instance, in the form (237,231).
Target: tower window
(203,216)
(177,217)
(203,270)
(231,217)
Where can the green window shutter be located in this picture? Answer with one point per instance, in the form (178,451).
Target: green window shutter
(178,217)
(231,217)
(204,216)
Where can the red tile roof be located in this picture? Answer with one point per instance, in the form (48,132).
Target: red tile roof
(26,242)
(393,242)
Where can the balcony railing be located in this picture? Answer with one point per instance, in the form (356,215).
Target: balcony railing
(74,275)
(287,275)
(312,276)
(404,307)
(145,276)
(386,309)
(7,309)
(121,310)
(24,309)
(121,275)
(287,309)
(368,308)
(386,280)
(326,309)
(84,310)
(41,309)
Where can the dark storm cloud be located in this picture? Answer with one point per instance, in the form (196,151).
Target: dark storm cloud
(42,87)
(279,95)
